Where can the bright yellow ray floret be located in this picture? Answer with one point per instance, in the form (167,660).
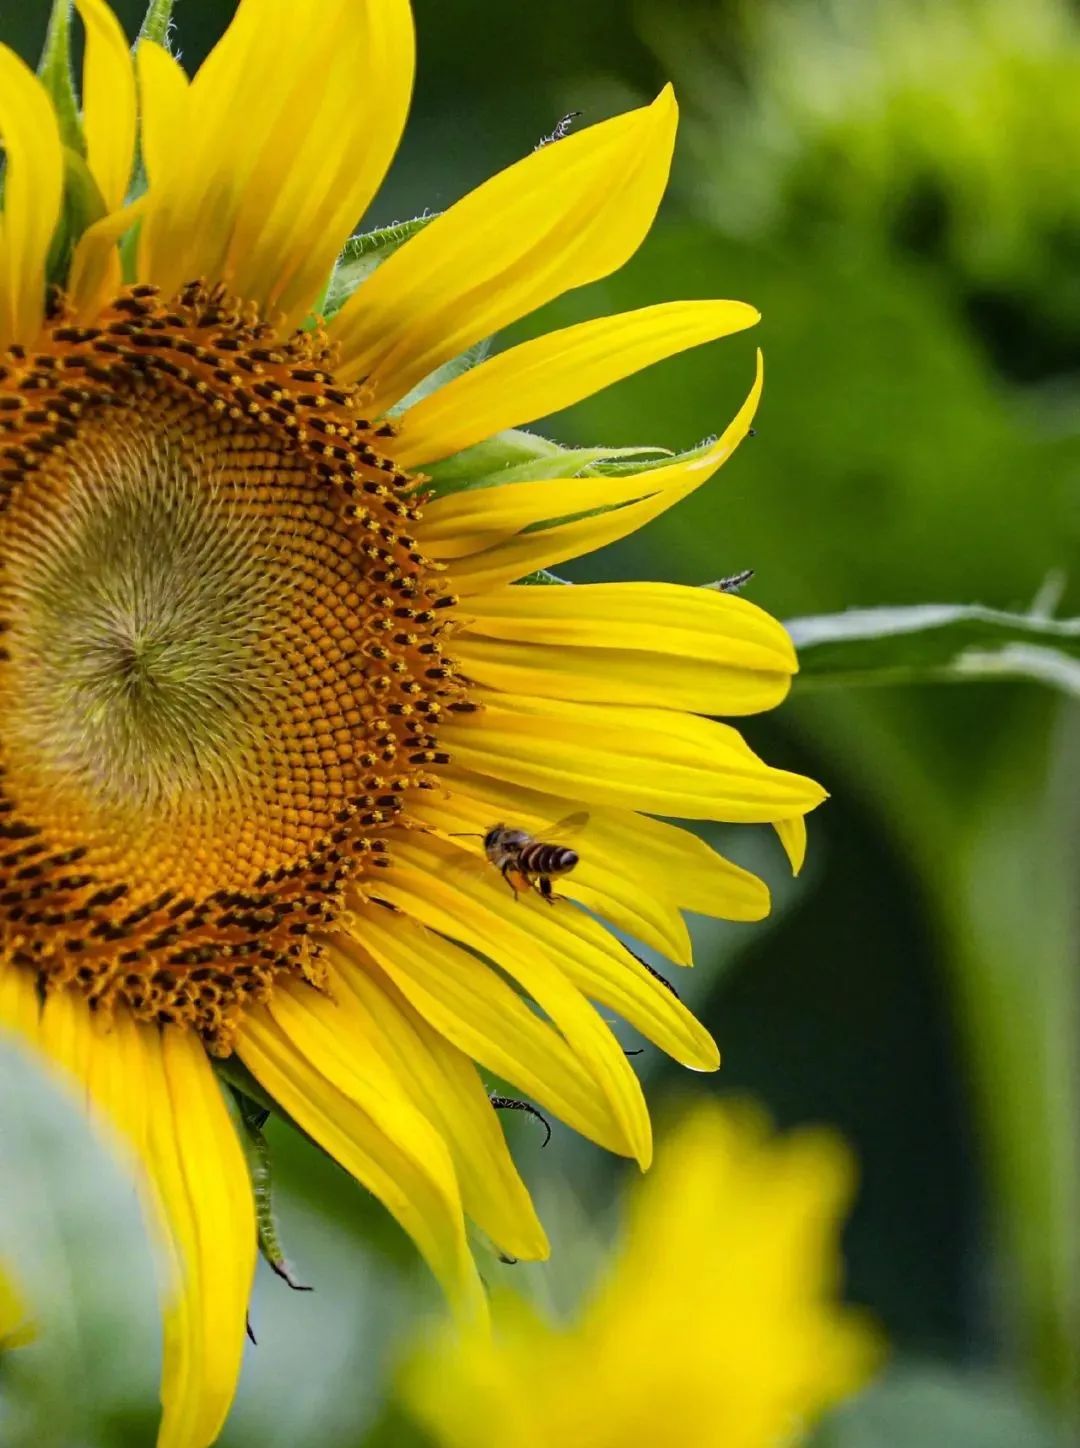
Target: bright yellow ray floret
(717,1324)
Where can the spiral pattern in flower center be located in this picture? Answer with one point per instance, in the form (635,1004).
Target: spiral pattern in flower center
(221,670)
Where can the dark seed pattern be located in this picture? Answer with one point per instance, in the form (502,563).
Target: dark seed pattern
(195,765)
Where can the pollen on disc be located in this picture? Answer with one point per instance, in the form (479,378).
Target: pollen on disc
(216,638)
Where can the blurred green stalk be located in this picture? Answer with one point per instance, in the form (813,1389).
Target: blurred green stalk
(999,879)
(1014,923)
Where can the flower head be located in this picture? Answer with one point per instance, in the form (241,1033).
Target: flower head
(259,682)
(716,1324)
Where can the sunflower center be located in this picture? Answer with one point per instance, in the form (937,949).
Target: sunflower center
(149,613)
(221,667)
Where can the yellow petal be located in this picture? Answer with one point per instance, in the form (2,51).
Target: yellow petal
(604,971)
(665,617)
(475,1009)
(627,676)
(729,1257)
(156,1088)
(65,1033)
(793,838)
(443,1084)
(585,953)
(471,521)
(628,898)
(108,95)
(352,1055)
(442,903)
(164,102)
(518,554)
(656,859)
(543,376)
(420,1193)
(95,275)
(649,759)
(291,123)
(116,1077)
(33,183)
(202,1183)
(650,643)
(20,1007)
(336,153)
(563,216)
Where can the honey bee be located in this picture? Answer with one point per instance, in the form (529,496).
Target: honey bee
(520,857)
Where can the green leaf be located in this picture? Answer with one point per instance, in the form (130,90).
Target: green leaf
(515,456)
(916,1405)
(157,22)
(54,69)
(930,642)
(361,255)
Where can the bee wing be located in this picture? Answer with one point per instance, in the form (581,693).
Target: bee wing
(464,865)
(564,830)
(465,859)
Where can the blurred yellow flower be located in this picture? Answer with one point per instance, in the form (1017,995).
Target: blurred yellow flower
(15,1326)
(716,1325)
(257,686)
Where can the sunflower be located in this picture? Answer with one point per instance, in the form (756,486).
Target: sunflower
(716,1322)
(261,679)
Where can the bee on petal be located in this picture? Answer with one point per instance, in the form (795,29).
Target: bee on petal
(528,863)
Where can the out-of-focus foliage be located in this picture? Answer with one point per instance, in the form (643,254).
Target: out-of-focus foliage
(894,184)
(942,642)
(950,126)
(72,1233)
(922,1404)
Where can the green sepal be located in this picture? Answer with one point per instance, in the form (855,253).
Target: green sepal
(82,204)
(615,464)
(360,256)
(543,578)
(129,242)
(253,1117)
(241,1082)
(156,27)
(156,23)
(515,456)
(54,70)
(463,362)
(662,458)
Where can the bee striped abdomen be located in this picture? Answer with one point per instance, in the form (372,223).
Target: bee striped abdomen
(539,858)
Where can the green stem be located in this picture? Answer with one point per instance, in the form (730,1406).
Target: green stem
(1000,886)
(55,72)
(156,22)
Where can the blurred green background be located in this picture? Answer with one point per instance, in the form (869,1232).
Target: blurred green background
(896,185)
